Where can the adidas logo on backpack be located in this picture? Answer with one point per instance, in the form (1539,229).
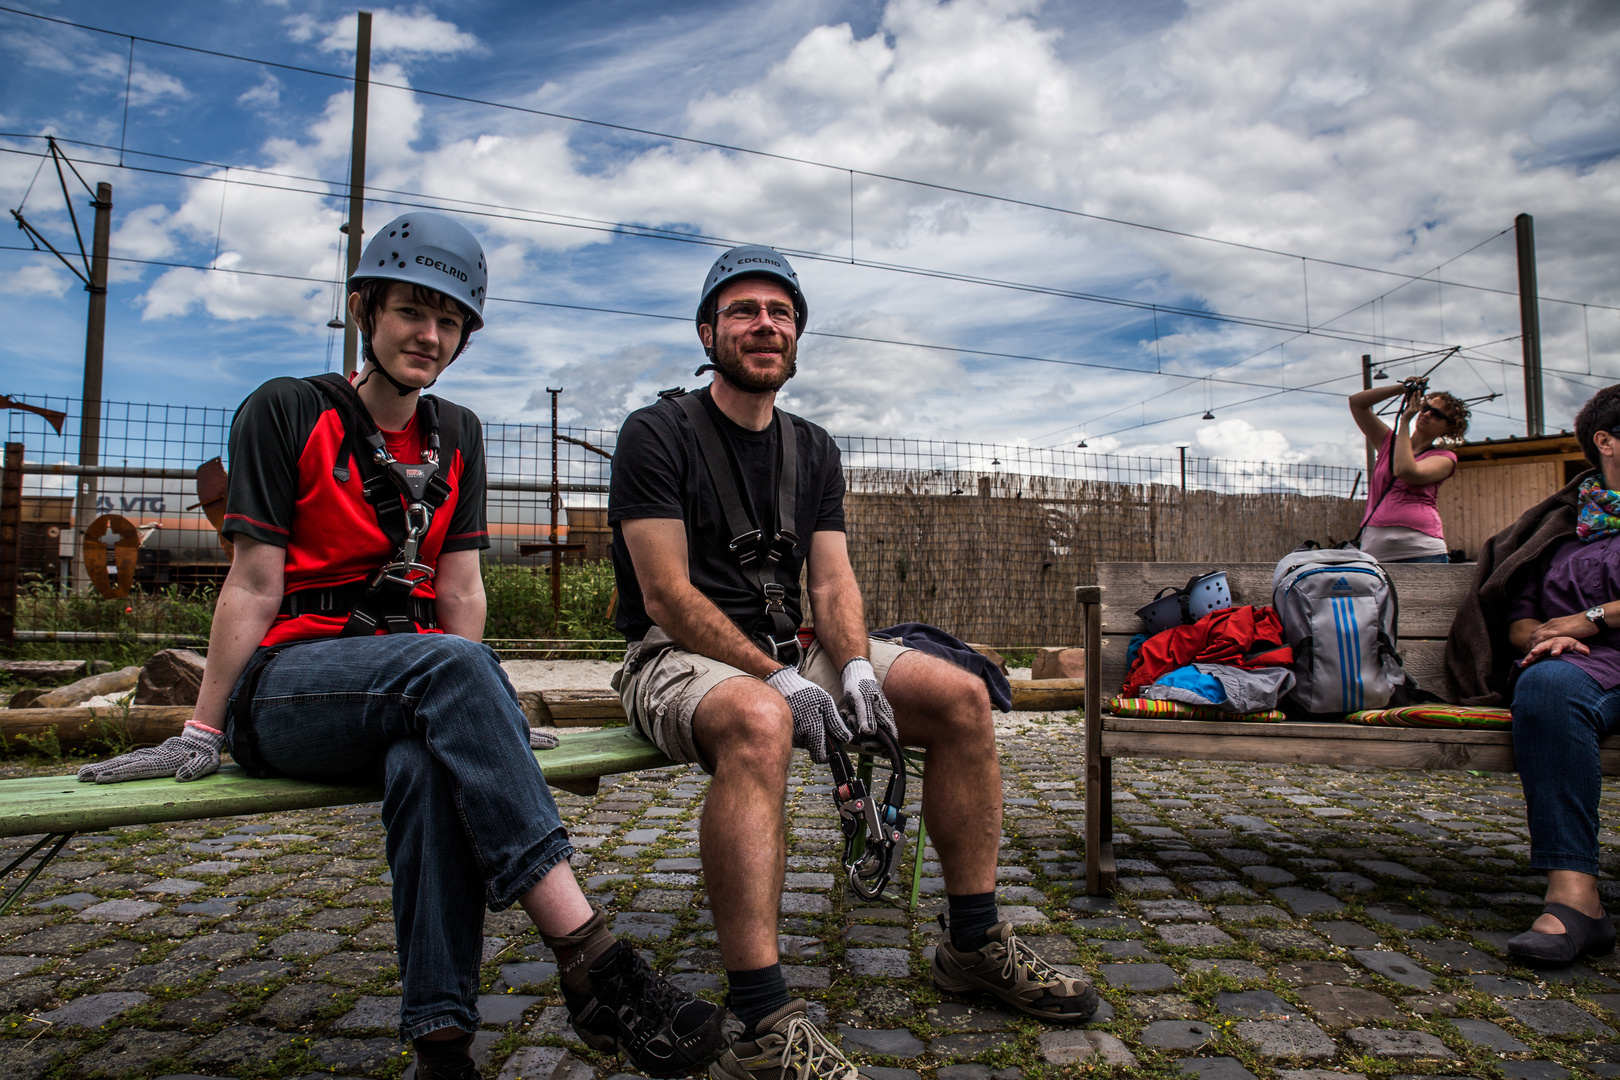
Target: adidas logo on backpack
(1339,613)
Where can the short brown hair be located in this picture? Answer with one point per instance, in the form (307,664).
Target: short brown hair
(1600,413)
(1459,412)
(374,294)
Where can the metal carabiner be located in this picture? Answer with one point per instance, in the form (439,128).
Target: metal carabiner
(882,824)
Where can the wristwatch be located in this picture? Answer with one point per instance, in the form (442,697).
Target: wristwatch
(1596,615)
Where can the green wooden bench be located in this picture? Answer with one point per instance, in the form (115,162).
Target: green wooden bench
(59,806)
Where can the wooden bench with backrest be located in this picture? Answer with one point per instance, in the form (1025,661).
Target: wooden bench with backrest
(1428,597)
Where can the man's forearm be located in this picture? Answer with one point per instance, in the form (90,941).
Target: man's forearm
(696,625)
(840,622)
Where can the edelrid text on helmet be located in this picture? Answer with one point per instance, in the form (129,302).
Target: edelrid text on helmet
(752,261)
(431,250)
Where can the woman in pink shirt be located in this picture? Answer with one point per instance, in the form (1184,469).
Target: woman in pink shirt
(1402,523)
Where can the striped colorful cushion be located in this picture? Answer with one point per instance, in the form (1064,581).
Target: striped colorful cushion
(1435,716)
(1176,710)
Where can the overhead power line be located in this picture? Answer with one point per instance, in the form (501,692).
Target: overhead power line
(864,339)
(754,152)
(537,217)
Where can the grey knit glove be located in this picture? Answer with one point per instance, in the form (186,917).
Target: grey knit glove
(192,753)
(863,697)
(542,740)
(815,716)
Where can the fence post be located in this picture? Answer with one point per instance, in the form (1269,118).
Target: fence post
(10,539)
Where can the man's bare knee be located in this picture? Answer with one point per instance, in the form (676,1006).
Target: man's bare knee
(743,724)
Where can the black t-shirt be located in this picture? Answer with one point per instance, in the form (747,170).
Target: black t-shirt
(658,472)
(285,490)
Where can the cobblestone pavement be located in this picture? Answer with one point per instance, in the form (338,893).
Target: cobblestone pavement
(1285,922)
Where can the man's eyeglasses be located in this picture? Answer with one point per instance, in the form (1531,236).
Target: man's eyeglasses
(1436,413)
(744,312)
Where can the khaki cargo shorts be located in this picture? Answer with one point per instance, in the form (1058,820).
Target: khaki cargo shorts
(668,683)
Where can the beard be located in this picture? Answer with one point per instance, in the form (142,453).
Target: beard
(728,357)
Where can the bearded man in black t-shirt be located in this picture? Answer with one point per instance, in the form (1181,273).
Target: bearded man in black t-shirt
(714,672)
(347,641)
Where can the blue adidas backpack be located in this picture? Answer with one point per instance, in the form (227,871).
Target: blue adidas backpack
(1339,613)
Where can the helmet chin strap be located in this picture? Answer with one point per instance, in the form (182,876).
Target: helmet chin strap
(376,366)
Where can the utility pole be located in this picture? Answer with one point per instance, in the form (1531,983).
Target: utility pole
(556,505)
(357,181)
(1366,384)
(1183,451)
(1529,324)
(95,341)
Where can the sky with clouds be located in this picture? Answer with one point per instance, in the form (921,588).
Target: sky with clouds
(1015,222)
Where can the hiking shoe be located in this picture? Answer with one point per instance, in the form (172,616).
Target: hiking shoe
(1008,969)
(633,1010)
(783,1046)
(445,1059)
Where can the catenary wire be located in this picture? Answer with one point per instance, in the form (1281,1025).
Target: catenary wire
(622,229)
(731,148)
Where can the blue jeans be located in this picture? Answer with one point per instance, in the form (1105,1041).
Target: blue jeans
(1559,714)
(470,819)
(1421,559)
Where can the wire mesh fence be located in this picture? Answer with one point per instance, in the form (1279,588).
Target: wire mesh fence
(986,540)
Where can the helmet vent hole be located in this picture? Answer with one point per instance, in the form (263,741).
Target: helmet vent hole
(393,232)
(402,266)
(382,262)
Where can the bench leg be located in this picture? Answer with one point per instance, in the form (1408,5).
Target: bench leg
(1101,875)
(60,838)
(917,861)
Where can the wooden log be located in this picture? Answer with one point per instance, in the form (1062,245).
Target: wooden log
(79,728)
(113,682)
(35,669)
(594,708)
(1042,695)
(573,708)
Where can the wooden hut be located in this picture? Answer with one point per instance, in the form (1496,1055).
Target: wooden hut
(1499,479)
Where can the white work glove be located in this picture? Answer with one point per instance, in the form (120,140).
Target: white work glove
(192,753)
(863,697)
(815,716)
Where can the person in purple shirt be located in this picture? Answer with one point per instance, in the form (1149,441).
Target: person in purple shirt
(1567,697)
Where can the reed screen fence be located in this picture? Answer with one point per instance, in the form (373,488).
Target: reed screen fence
(982,539)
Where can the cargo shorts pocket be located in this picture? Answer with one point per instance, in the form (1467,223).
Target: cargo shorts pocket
(661,710)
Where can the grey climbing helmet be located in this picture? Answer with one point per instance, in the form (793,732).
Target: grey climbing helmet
(431,250)
(751,261)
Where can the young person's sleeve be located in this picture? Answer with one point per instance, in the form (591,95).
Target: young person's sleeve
(648,464)
(267,437)
(469,524)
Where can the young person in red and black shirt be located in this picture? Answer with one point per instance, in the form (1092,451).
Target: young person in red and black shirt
(314,674)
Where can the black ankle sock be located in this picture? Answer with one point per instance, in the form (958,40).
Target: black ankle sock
(971,918)
(754,995)
(436,1053)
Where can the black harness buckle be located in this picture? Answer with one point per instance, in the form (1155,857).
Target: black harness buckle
(874,832)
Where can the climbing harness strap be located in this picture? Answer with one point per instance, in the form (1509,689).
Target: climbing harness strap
(868,866)
(404,495)
(341,599)
(761,559)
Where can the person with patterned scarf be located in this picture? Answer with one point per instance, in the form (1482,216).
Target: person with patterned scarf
(1563,622)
